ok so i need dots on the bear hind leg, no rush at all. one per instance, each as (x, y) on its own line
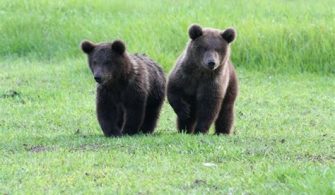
(153, 109)
(224, 122)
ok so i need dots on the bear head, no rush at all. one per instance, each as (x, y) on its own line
(107, 61)
(210, 48)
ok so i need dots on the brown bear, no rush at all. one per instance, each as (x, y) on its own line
(203, 85)
(130, 89)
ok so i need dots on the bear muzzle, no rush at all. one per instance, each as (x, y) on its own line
(98, 79)
(211, 65)
(211, 60)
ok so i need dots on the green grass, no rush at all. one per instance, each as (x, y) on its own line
(284, 141)
(50, 140)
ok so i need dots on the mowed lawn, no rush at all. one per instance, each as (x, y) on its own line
(284, 140)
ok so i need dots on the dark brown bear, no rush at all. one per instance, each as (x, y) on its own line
(130, 89)
(203, 85)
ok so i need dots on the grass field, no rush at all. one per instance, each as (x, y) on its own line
(284, 140)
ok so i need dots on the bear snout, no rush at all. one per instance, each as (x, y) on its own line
(211, 65)
(98, 79)
(210, 60)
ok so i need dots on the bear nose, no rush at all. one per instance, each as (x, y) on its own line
(211, 64)
(97, 79)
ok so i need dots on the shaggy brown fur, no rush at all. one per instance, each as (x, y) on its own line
(130, 90)
(203, 85)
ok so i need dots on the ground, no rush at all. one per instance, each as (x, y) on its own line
(51, 141)
(284, 140)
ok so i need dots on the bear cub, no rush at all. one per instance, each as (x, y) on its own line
(130, 88)
(203, 85)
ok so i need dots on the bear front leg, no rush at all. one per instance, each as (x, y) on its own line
(207, 110)
(186, 125)
(189, 123)
(107, 115)
(180, 106)
(185, 117)
(135, 111)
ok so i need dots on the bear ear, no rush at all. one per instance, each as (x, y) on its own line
(229, 35)
(194, 31)
(87, 46)
(118, 46)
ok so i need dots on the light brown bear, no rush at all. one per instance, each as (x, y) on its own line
(203, 86)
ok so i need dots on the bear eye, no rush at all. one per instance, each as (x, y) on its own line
(223, 50)
(202, 48)
(107, 63)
